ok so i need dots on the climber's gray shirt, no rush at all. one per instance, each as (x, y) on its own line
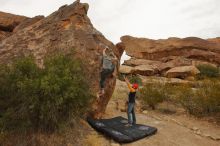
(107, 62)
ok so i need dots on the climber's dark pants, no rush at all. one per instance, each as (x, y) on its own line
(104, 74)
(131, 114)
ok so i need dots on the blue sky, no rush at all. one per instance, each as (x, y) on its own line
(155, 19)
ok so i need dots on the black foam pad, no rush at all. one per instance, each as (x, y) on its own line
(116, 129)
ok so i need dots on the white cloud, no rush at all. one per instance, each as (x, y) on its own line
(156, 18)
(32, 8)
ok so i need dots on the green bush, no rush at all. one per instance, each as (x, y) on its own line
(132, 78)
(42, 98)
(135, 79)
(121, 76)
(152, 94)
(203, 100)
(185, 96)
(208, 71)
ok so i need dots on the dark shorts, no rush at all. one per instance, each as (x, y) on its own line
(104, 74)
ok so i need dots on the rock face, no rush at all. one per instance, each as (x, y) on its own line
(182, 72)
(66, 30)
(126, 69)
(8, 22)
(146, 70)
(163, 80)
(4, 34)
(27, 22)
(163, 55)
(193, 48)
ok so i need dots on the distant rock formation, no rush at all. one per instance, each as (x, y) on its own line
(8, 22)
(68, 29)
(159, 56)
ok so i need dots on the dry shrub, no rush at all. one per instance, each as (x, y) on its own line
(153, 94)
(202, 101)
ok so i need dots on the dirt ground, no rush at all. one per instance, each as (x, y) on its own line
(174, 128)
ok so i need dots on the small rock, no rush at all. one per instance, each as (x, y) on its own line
(145, 112)
(157, 122)
(195, 128)
(215, 138)
(198, 132)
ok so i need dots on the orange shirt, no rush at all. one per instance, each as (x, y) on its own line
(130, 87)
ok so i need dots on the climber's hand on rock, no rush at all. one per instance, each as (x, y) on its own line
(126, 79)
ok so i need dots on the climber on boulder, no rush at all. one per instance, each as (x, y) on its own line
(108, 66)
(131, 102)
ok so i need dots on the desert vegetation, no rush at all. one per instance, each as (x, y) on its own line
(208, 71)
(152, 94)
(42, 98)
(200, 101)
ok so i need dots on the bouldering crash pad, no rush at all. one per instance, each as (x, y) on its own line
(117, 129)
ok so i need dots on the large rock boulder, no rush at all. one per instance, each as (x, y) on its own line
(66, 30)
(140, 69)
(147, 70)
(182, 72)
(191, 47)
(9, 21)
(171, 62)
(162, 57)
(124, 69)
(136, 62)
(159, 67)
(143, 67)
